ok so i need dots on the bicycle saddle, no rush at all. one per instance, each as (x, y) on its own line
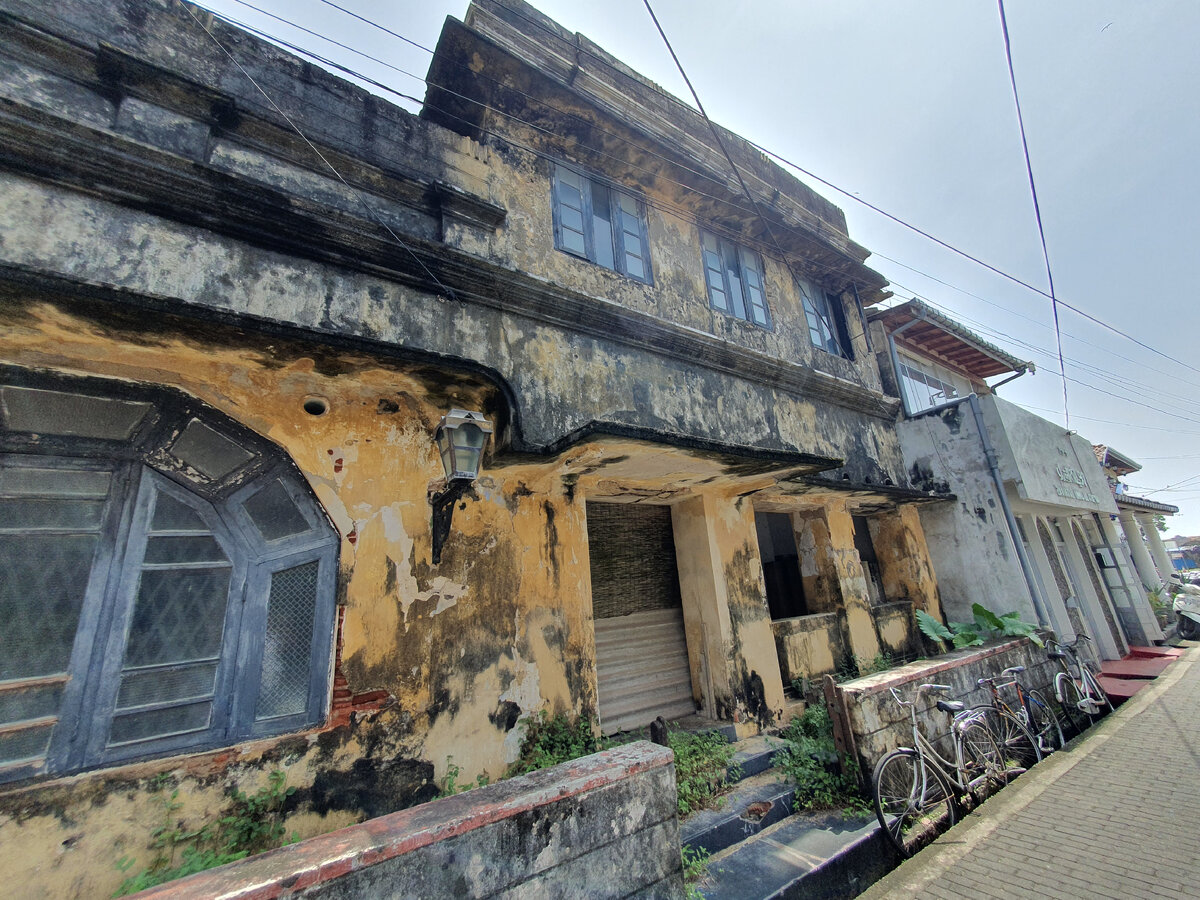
(1055, 654)
(951, 706)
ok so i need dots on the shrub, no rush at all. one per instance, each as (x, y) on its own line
(810, 760)
(702, 767)
(552, 740)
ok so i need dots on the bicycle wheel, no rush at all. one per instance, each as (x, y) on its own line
(1067, 692)
(911, 810)
(1016, 741)
(985, 769)
(1100, 695)
(1044, 723)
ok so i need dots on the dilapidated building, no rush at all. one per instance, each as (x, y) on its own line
(238, 296)
(1032, 528)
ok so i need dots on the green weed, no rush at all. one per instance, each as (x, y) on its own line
(251, 824)
(810, 760)
(702, 768)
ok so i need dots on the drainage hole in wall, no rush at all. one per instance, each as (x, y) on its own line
(316, 406)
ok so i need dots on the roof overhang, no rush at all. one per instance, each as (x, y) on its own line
(1141, 504)
(1119, 463)
(932, 334)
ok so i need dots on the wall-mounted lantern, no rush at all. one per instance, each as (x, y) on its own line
(460, 437)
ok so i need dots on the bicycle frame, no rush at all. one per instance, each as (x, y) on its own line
(1093, 698)
(927, 754)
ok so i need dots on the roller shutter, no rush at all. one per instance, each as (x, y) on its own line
(641, 652)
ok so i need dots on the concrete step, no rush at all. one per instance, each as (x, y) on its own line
(756, 802)
(755, 755)
(817, 856)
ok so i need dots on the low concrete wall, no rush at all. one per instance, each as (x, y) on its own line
(878, 724)
(809, 646)
(601, 826)
(897, 628)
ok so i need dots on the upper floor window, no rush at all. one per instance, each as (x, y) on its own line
(923, 387)
(826, 321)
(601, 223)
(735, 280)
(166, 578)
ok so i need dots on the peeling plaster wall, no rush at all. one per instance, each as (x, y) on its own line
(567, 370)
(498, 630)
(809, 646)
(969, 536)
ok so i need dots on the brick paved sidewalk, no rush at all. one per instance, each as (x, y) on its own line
(1115, 816)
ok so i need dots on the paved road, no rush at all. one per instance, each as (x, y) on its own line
(1116, 816)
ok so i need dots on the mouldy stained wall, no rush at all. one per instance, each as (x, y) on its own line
(639, 345)
(880, 725)
(809, 646)
(969, 543)
(500, 628)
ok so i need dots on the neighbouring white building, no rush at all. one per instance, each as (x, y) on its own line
(1034, 526)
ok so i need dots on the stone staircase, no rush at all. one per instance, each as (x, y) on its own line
(760, 848)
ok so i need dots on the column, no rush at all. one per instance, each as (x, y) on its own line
(1158, 550)
(1137, 549)
(725, 612)
(833, 575)
(1142, 615)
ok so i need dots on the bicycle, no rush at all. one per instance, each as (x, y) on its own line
(1081, 697)
(1028, 732)
(916, 789)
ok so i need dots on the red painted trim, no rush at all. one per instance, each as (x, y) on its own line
(329, 856)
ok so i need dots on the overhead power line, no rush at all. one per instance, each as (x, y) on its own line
(600, 59)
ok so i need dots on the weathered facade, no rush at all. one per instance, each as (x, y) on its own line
(1033, 527)
(238, 295)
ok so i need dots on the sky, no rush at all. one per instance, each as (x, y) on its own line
(907, 104)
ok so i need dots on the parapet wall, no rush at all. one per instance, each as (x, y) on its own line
(601, 826)
(880, 725)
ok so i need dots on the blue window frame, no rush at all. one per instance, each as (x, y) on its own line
(171, 573)
(601, 223)
(826, 321)
(735, 280)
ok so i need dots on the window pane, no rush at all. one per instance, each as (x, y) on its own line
(631, 237)
(208, 451)
(179, 616)
(285, 672)
(172, 515)
(602, 227)
(28, 743)
(713, 272)
(43, 579)
(78, 415)
(197, 548)
(274, 513)
(31, 702)
(141, 726)
(733, 277)
(159, 685)
(753, 281)
(17, 481)
(570, 211)
(52, 513)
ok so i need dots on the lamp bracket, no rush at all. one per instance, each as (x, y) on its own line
(443, 503)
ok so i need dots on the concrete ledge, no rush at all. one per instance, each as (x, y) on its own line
(610, 811)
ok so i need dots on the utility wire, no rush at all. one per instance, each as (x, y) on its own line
(357, 194)
(1126, 399)
(1037, 210)
(1095, 320)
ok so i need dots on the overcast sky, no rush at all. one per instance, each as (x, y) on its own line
(908, 105)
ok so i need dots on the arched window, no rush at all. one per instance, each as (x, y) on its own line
(166, 578)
